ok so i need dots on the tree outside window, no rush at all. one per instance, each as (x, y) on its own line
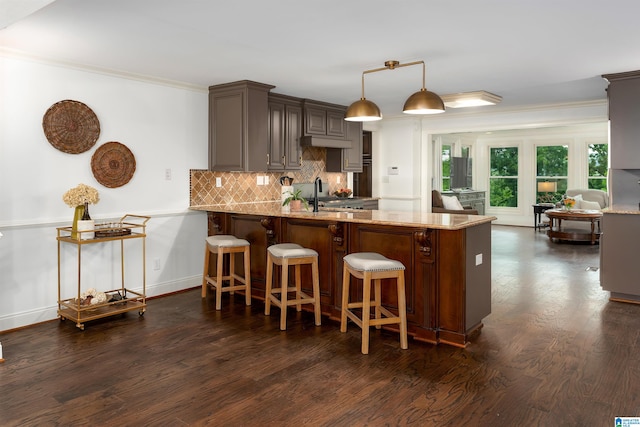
(503, 182)
(552, 164)
(446, 167)
(598, 166)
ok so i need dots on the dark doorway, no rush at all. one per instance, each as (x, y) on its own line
(362, 181)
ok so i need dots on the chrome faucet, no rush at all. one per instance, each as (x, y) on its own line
(317, 186)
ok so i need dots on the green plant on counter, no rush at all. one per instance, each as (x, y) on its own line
(295, 195)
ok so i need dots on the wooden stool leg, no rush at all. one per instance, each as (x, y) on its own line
(378, 300)
(316, 290)
(232, 268)
(206, 271)
(283, 294)
(269, 285)
(298, 267)
(402, 311)
(346, 279)
(247, 275)
(366, 311)
(219, 269)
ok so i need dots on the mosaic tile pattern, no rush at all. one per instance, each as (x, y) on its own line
(239, 187)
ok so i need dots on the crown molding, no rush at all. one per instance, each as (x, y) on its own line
(26, 56)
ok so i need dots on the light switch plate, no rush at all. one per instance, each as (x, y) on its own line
(478, 259)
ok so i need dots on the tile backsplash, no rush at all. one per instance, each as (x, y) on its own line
(242, 187)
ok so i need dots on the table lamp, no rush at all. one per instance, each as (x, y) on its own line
(547, 187)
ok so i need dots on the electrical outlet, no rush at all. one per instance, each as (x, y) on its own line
(167, 174)
(156, 264)
(266, 180)
(260, 180)
(338, 179)
(218, 181)
(478, 259)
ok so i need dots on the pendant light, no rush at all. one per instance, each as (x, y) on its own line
(421, 102)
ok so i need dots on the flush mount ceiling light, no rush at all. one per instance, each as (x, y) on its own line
(421, 102)
(470, 99)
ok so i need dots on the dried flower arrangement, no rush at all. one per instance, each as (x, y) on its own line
(80, 195)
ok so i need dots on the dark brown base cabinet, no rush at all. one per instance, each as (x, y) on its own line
(448, 290)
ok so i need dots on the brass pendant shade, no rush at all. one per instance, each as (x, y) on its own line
(422, 102)
(363, 111)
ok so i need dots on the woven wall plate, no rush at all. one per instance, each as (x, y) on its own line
(71, 126)
(113, 164)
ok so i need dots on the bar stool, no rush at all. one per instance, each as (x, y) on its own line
(285, 255)
(220, 245)
(370, 266)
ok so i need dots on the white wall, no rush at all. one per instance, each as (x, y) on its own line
(397, 144)
(165, 126)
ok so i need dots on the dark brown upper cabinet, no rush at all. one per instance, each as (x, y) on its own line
(285, 131)
(324, 119)
(624, 119)
(239, 126)
(347, 159)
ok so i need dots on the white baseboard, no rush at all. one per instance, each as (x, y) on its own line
(31, 317)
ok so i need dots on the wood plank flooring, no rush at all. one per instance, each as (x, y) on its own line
(554, 351)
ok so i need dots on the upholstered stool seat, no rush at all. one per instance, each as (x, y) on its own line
(285, 255)
(220, 245)
(370, 266)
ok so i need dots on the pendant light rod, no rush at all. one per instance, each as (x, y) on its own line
(392, 65)
(422, 102)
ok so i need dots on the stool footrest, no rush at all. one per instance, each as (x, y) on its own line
(304, 299)
(212, 280)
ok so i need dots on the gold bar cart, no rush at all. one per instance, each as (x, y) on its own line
(120, 300)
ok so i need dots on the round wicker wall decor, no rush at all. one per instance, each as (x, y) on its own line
(71, 126)
(113, 164)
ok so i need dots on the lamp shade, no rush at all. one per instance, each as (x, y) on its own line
(363, 111)
(423, 102)
(547, 187)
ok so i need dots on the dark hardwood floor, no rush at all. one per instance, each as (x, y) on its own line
(554, 351)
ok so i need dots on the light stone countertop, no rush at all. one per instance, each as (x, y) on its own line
(382, 217)
(622, 209)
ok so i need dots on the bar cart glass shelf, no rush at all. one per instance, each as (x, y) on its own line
(119, 300)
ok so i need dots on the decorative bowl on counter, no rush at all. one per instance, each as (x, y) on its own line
(343, 192)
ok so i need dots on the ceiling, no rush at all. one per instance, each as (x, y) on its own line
(530, 52)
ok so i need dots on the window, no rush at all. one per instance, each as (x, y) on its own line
(552, 164)
(503, 182)
(598, 163)
(446, 167)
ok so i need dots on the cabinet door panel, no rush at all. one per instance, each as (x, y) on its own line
(314, 235)
(276, 136)
(227, 131)
(394, 243)
(315, 121)
(336, 125)
(293, 151)
(250, 227)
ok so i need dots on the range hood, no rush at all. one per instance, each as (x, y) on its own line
(324, 141)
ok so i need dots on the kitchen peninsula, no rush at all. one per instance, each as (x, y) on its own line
(447, 258)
